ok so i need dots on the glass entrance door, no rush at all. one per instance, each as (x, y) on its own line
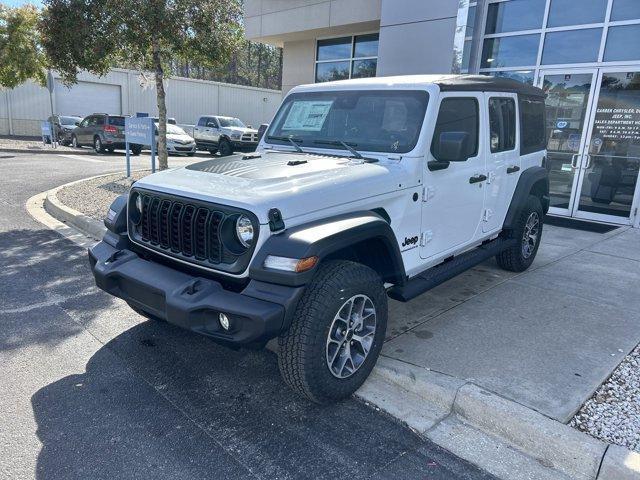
(593, 131)
(569, 98)
(608, 177)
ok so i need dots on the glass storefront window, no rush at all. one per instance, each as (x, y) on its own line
(366, 46)
(471, 20)
(347, 57)
(329, 71)
(625, 10)
(516, 51)
(364, 68)
(514, 16)
(623, 43)
(572, 46)
(334, 48)
(572, 12)
(524, 76)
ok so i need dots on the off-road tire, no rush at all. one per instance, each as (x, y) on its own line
(97, 145)
(302, 355)
(513, 258)
(225, 148)
(135, 150)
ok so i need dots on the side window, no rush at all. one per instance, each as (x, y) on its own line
(532, 125)
(212, 123)
(502, 124)
(202, 122)
(458, 118)
(99, 121)
(90, 121)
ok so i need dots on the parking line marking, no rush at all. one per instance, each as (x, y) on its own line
(83, 158)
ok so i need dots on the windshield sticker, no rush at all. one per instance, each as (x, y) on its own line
(307, 116)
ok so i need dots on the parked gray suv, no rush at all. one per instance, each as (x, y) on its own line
(102, 131)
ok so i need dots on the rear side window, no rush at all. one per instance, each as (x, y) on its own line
(532, 125)
(458, 115)
(117, 121)
(502, 124)
(98, 121)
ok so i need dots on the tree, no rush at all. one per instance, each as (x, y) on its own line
(94, 35)
(21, 57)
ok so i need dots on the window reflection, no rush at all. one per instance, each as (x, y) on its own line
(623, 43)
(572, 12)
(521, 50)
(334, 48)
(572, 46)
(329, 71)
(625, 10)
(514, 16)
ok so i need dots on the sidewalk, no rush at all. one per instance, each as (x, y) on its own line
(546, 338)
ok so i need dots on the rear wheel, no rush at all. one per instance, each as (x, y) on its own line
(336, 334)
(527, 234)
(226, 148)
(97, 145)
(136, 149)
(213, 151)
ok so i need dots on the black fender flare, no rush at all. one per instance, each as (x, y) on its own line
(325, 237)
(531, 178)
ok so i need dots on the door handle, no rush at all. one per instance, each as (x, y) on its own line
(574, 161)
(588, 165)
(513, 169)
(477, 179)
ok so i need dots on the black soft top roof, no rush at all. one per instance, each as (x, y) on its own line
(484, 83)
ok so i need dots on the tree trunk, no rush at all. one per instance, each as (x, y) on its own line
(163, 160)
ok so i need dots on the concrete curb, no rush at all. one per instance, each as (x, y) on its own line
(426, 400)
(548, 443)
(87, 225)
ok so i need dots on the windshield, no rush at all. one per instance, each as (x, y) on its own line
(230, 122)
(367, 120)
(172, 130)
(69, 120)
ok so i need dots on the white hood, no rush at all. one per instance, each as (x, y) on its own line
(294, 183)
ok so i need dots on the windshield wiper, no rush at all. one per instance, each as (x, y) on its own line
(353, 151)
(293, 142)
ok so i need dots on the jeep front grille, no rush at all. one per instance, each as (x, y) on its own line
(187, 230)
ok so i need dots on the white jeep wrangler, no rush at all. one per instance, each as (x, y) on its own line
(360, 190)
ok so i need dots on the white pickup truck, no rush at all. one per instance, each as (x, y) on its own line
(223, 134)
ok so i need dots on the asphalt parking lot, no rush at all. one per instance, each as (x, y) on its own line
(92, 390)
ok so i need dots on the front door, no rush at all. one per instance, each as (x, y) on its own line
(593, 131)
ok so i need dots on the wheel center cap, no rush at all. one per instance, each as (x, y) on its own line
(349, 335)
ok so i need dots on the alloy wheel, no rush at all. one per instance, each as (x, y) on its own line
(530, 235)
(351, 336)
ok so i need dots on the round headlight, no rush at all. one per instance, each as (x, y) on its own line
(244, 230)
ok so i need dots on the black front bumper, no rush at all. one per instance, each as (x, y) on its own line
(258, 313)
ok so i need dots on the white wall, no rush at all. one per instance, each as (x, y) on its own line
(24, 107)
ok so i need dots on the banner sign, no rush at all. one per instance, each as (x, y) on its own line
(45, 127)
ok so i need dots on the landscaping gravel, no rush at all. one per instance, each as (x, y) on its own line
(28, 144)
(93, 197)
(613, 413)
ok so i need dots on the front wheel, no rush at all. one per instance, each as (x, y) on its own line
(135, 150)
(74, 142)
(336, 334)
(527, 233)
(226, 148)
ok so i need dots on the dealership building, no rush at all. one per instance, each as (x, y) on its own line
(584, 53)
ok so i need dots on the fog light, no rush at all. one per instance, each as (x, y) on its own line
(224, 321)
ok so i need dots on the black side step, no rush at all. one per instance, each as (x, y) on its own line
(447, 270)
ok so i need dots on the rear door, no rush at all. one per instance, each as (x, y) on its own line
(502, 157)
(454, 191)
(82, 132)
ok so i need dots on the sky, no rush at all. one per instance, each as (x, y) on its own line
(18, 3)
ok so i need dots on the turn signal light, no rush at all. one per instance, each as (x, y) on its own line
(286, 264)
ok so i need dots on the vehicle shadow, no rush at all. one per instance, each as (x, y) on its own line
(41, 270)
(160, 402)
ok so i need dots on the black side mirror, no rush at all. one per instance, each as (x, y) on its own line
(77, 124)
(452, 147)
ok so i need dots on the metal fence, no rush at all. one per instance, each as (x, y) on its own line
(126, 92)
